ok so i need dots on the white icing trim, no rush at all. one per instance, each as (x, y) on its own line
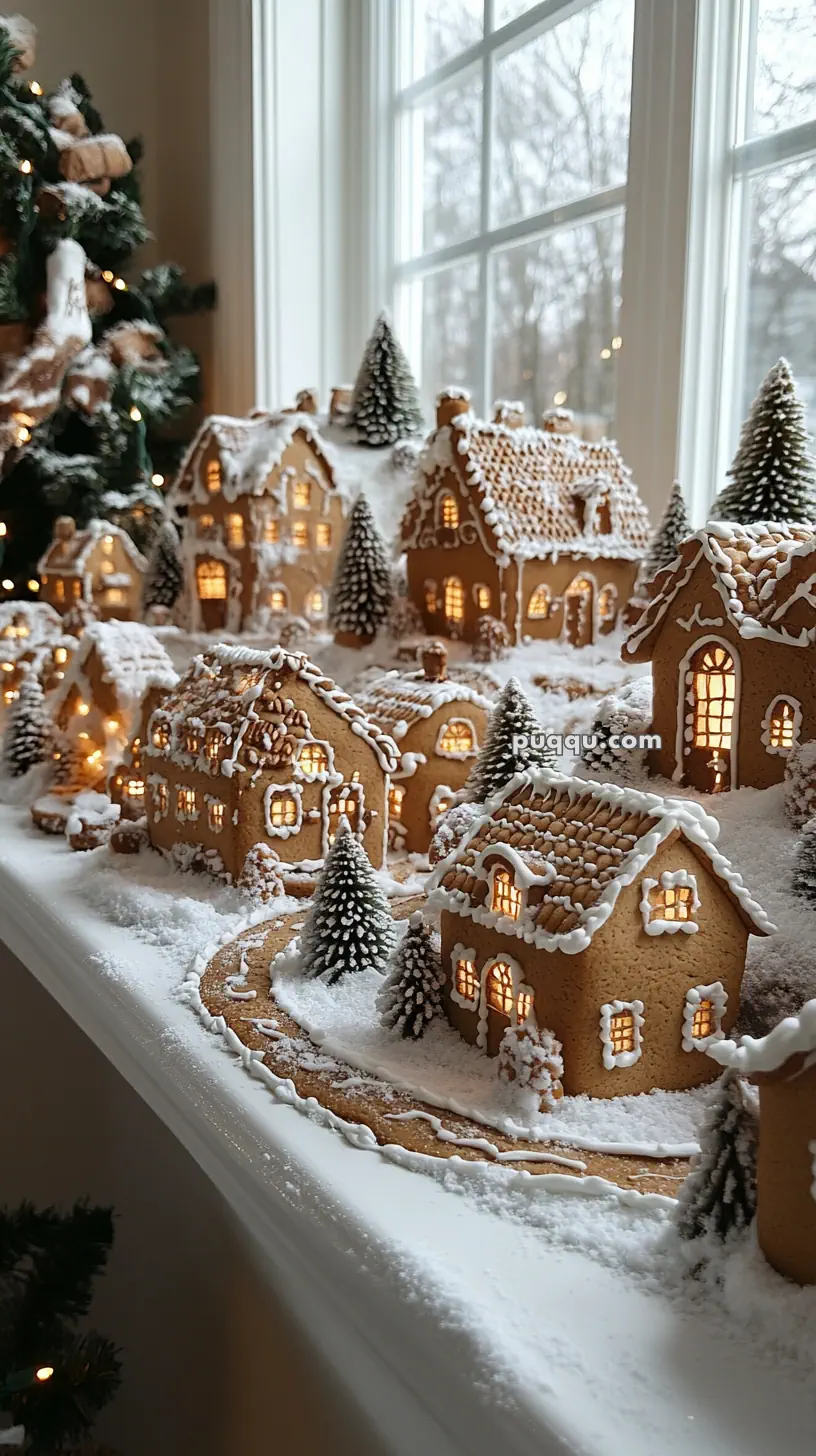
(485, 1008)
(685, 700)
(282, 831)
(442, 794)
(462, 952)
(695, 620)
(446, 753)
(613, 1059)
(717, 995)
(765, 738)
(669, 880)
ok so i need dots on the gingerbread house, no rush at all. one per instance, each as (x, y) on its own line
(439, 724)
(730, 630)
(28, 631)
(783, 1065)
(262, 748)
(99, 564)
(540, 530)
(606, 916)
(262, 503)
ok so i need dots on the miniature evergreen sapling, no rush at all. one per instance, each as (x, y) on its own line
(629, 711)
(718, 1197)
(385, 403)
(27, 739)
(672, 531)
(362, 590)
(165, 577)
(804, 872)
(772, 474)
(512, 718)
(349, 927)
(409, 997)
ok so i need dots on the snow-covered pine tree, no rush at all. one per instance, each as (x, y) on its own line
(27, 739)
(674, 527)
(165, 577)
(385, 403)
(499, 761)
(629, 710)
(409, 997)
(719, 1195)
(349, 927)
(492, 640)
(804, 870)
(362, 590)
(772, 474)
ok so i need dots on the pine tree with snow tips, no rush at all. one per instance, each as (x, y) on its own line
(362, 590)
(27, 739)
(349, 927)
(385, 403)
(672, 531)
(718, 1197)
(804, 873)
(165, 577)
(772, 474)
(410, 997)
(499, 761)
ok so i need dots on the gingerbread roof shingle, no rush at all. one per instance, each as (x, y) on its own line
(68, 556)
(396, 701)
(249, 450)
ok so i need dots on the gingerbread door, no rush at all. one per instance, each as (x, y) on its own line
(709, 704)
(212, 585)
(579, 614)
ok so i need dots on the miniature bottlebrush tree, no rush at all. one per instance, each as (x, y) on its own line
(27, 739)
(772, 474)
(627, 711)
(718, 1197)
(165, 576)
(514, 743)
(804, 870)
(362, 589)
(385, 403)
(410, 997)
(674, 527)
(349, 927)
(492, 640)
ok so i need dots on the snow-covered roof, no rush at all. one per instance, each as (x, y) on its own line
(25, 626)
(794, 1036)
(396, 701)
(249, 449)
(578, 844)
(539, 493)
(130, 657)
(765, 575)
(68, 556)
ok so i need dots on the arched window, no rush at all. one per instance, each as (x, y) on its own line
(457, 739)
(313, 758)
(499, 988)
(302, 495)
(607, 604)
(454, 599)
(715, 691)
(315, 602)
(277, 599)
(506, 895)
(449, 512)
(235, 530)
(482, 597)
(466, 980)
(211, 579)
(540, 603)
(396, 794)
(780, 728)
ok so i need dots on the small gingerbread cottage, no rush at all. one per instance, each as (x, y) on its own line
(262, 503)
(605, 915)
(99, 564)
(730, 629)
(28, 630)
(783, 1066)
(538, 529)
(439, 724)
(262, 748)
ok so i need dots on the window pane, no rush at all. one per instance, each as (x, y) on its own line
(781, 299)
(506, 10)
(443, 156)
(561, 128)
(785, 68)
(434, 31)
(556, 305)
(438, 319)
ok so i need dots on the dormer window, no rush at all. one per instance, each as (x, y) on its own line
(457, 739)
(313, 758)
(506, 896)
(160, 734)
(670, 903)
(449, 512)
(302, 495)
(213, 476)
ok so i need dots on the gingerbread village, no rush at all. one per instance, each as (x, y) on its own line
(518, 947)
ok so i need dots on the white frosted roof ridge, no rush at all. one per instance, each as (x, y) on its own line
(794, 1035)
(253, 446)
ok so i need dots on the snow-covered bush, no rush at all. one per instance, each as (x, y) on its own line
(627, 710)
(260, 876)
(531, 1064)
(492, 640)
(452, 828)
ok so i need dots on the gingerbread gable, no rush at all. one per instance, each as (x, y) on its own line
(70, 556)
(398, 701)
(126, 658)
(249, 451)
(27, 626)
(792, 1040)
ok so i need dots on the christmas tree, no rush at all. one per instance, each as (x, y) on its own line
(165, 577)
(385, 403)
(673, 529)
(89, 389)
(53, 1379)
(362, 589)
(719, 1194)
(772, 474)
(512, 718)
(804, 871)
(349, 927)
(409, 998)
(27, 739)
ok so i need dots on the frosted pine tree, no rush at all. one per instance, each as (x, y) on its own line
(673, 529)
(27, 739)
(629, 710)
(349, 927)
(165, 577)
(800, 783)
(362, 589)
(772, 474)
(804, 871)
(409, 997)
(499, 760)
(385, 403)
(719, 1195)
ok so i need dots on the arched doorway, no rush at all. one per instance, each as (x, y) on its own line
(709, 710)
(211, 585)
(579, 617)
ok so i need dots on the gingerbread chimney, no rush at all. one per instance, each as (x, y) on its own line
(306, 402)
(449, 404)
(64, 528)
(435, 661)
(509, 412)
(559, 421)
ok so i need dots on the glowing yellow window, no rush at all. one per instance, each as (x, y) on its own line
(430, 596)
(302, 495)
(457, 737)
(467, 981)
(622, 1032)
(211, 580)
(782, 725)
(323, 534)
(300, 534)
(107, 568)
(59, 589)
(499, 987)
(276, 600)
(454, 599)
(396, 794)
(186, 803)
(161, 735)
(483, 598)
(134, 788)
(607, 603)
(107, 545)
(703, 1022)
(60, 655)
(449, 513)
(215, 814)
(213, 476)
(76, 588)
(115, 596)
(506, 895)
(524, 1005)
(672, 902)
(714, 691)
(192, 741)
(206, 522)
(342, 802)
(213, 745)
(271, 531)
(235, 530)
(313, 758)
(540, 603)
(316, 602)
(282, 811)
(160, 797)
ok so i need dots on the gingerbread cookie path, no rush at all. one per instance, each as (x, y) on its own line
(426, 1129)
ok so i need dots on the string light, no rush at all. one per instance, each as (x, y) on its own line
(25, 166)
(44, 1373)
(606, 353)
(7, 585)
(112, 725)
(33, 585)
(83, 710)
(156, 479)
(617, 342)
(3, 528)
(23, 435)
(95, 756)
(135, 412)
(35, 88)
(120, 284)
(560, 397)
(108, 275)
(7, 666)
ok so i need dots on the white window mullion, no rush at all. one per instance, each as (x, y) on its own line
(483, 385)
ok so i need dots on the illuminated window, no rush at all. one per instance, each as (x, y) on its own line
(430, 597)
(607, 603)
(300, 534)
(672, 902)
(703, 1021)
(343, 800)
(107, 545)
(186, 804)
(323, 534)
(313, 758)
(134, 788)
(782, 726)
(316, 602)
(396, 794)
(60, 655)
(215, 814)
(540, 603)
(161, 735)
(160, 798)
(454, 599)
(506, 895)
(114, 596)
(457, 738)
(622, 1037)
(276, 600)
(235, 529)
(107, 568)
(271, 530)
(483, 598)
(449, 513)
(524, 1005)
(192, 741)
(283, 811)
(206, 522)
(715, 691)
(302, 495)
(467, 981)
(59, 589)
(499, 988)
(213, 476)
(211, 580)
(76, 588)
(213, 744)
